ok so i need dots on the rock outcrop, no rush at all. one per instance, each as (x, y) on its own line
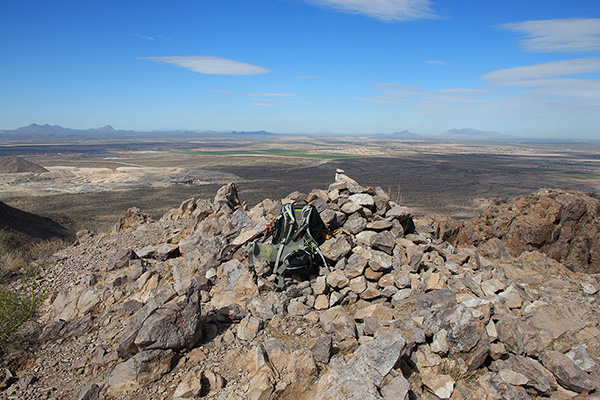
(560, 223)
(398, 312)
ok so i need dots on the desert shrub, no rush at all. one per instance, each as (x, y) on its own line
(20, 302)
(17, 306)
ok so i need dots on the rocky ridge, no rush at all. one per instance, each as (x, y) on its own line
(564, 224)
(14, 165)
(147, 312)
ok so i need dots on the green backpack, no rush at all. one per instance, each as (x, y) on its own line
(297, 233)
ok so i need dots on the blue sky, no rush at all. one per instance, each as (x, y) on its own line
(524, 68)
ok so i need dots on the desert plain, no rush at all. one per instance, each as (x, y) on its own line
(90, 183)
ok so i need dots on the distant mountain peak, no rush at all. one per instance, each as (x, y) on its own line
(406, 134)
(107, 128)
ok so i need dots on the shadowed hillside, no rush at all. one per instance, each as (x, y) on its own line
(26, 227)
(13, 165)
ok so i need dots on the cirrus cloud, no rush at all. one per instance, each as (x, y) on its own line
(546, 70)
(384, 10)
(210, 65)
(559, 35)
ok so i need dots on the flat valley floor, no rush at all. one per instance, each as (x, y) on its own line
(90, 185)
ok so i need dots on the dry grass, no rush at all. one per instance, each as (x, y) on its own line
(21, 299)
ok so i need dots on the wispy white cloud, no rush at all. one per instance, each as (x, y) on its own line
(153, 38)
(384, 10)
(437, 62)
(552, 79)
(414, 94)
(221, 91)
(546, 70)
(279, 101)
(559, 35)
(582, 89)
(293, 102)
(274, 95)
(210, 65)
(262, 104)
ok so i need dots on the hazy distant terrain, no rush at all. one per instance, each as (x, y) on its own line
(95, 179)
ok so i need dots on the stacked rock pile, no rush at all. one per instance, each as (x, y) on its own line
(396, 314)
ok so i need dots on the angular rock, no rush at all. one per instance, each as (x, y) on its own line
(381, 225)
(581, 357)
(336, 248)
(569, 375)
(361, 376)
(321, 302)
(319, 286)
(358, 284)
(321, 349)
(362, 199)
(458, 321)
(492, 386)
(143, 368)
(518, 336)
(171, 328)
(355, 224)
(234, 285)
(384, 241)
(355, 266)
(121, 259)
(228, 194)
(90, 391)
(133, 218)
(337, 279)
(339, 323)
(190, 385)
(441, 385)
(396, 389)
(538, 377)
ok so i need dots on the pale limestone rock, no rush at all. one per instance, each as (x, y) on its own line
(321, 302)
(440, 342)
(319, 286)
(512, 377)
(581, 357)
(362, 199)
(441, 385)
(358, 284)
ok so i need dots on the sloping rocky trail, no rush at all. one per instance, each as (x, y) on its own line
(147, 312)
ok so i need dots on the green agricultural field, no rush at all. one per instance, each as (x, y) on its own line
(277, 153)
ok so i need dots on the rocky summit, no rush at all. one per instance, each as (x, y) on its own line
(149, 312)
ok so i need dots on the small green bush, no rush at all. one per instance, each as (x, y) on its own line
(17, 306)
(21, 303)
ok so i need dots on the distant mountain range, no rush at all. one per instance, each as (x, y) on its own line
(463, 135)
(57, 132)
(406, 134)
(468, 134)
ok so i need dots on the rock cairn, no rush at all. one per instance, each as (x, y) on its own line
(149, 312)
